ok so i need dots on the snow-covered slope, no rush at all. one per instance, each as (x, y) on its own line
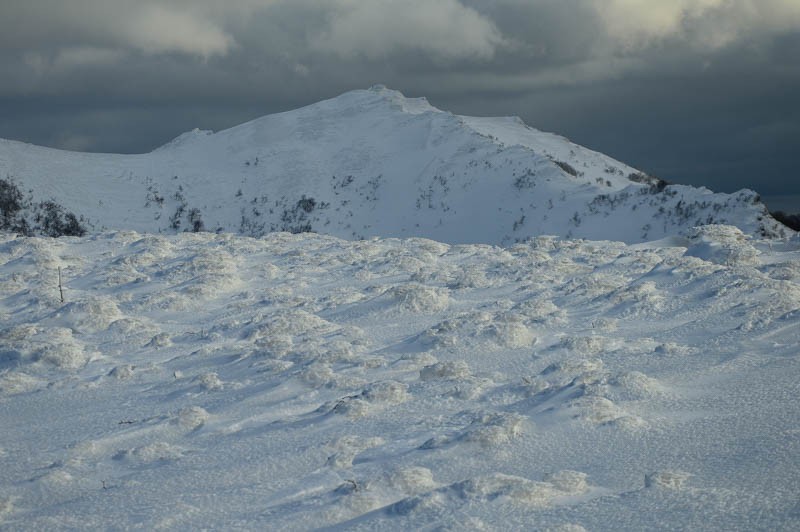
(374, 163)
(293, 382)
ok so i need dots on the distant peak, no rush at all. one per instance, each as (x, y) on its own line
(406, 104)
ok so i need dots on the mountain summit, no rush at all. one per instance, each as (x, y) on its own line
(371, 163)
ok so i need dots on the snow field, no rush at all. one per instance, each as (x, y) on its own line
(302, 381)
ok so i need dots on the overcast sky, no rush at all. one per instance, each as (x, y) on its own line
(701, 92)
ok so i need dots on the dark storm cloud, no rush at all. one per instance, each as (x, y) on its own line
(698, 91)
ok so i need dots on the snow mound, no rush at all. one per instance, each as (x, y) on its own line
(301, 381)
(91, 315)
(14, 382)
(122, 372)
(346, 448)
(491, 330)
(151, 453)
(423, 299)
(191, 418)
(670, 479)
(372, 399)
(412, 480)
(722, 244)
(489, 489)
(636, 385)
(55, 346)
(488, 429)
(451, 369)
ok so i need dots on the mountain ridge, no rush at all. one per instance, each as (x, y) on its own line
(375, 163)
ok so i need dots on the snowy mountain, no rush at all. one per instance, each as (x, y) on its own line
(296, 382)
(306, 381)
(367, 163)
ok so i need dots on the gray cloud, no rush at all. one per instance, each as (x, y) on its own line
(147, 27)
(446, 29)
(700, 91)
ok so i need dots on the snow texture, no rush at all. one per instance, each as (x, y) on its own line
(296, 382)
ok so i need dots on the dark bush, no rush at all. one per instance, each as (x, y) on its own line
(656, 183)
(568, 168)
(19, 214)
(54, 221)
(792, 221)
(196, 221)
(12, 203)
(307, 204)
(10, 199)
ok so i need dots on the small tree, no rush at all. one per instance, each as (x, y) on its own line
(196, 221)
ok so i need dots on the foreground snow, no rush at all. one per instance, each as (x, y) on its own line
(301, 381)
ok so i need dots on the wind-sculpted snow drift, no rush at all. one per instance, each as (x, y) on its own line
(300, 381)
(374, 163)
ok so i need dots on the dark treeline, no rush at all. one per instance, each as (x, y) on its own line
(20, 214)
(791, 221)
